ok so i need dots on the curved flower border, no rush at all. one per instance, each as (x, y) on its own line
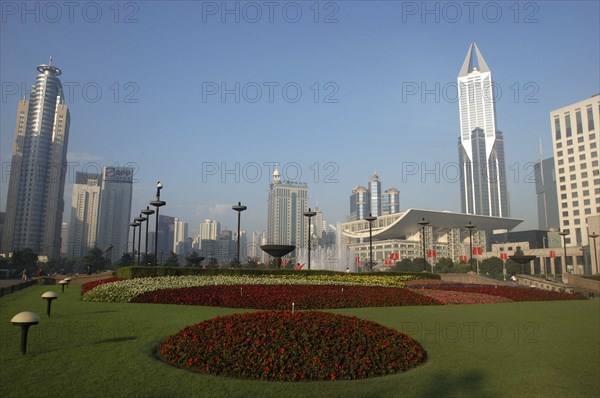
(287, 346)
(124, 291)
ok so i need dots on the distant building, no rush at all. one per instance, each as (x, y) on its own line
(209, 229)
(35, 200)
(85, 210)
(375, 196)
(286, 223)
(576, 138)
(391, 201)
(166, 228)
(547, 199)
(115, 210)
(359, 203)
(480, 144)
(180, 235)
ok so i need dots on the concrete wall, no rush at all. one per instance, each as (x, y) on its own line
(472, 278)
(582, 283)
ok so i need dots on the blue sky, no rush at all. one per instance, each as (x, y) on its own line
(145, 85)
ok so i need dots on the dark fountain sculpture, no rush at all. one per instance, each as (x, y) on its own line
(520, 258)
(278, 251)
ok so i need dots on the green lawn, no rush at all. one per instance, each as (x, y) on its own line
(90, 349)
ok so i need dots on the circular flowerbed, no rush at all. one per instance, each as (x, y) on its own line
(271, 297)
(286, 346)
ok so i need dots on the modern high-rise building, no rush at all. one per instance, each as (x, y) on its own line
(210, 229)
(180, 235)
(35, 201)
(375, 195)
(391, 201)
(85, 208)
(481, 146)
(286, 223)
(359, 203)
(575, 140)
(545, 189)
(166, 228)
(115, 210)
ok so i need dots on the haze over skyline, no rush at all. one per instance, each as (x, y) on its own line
(368, 87)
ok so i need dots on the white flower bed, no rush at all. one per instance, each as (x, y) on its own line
(125, 291)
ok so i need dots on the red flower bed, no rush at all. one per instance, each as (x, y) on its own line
(286, 346)
(282, 296)
(510, 292)
(86, 287)
(455, 297)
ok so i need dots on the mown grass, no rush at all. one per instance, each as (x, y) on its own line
(528, 349)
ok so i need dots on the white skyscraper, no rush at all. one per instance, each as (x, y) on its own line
(180, 234)
(576, 140)
(481, 146)
(85, 207)
(34, 202)
(115, 209)
(286, 224)
(210, 229)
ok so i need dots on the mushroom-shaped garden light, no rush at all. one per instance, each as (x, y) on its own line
(62, 284)
(25, 319)
(49, 296)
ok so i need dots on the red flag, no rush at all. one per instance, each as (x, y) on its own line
(503, 256)
(477, 251)
(552, 254)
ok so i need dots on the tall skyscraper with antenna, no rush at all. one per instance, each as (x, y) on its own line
(480, 145)
(35, 201)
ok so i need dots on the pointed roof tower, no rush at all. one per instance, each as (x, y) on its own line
(473, 60)
(276, 176)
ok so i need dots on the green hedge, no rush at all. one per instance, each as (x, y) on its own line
(143, 272)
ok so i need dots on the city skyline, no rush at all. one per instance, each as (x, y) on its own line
(156, 112)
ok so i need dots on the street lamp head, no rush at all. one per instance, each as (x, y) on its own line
(239, 207)
(371, 218)
(147, 211)
(563, 233)
(310, 213)
(593, 235)
(134, 224)
(469, 226)
(423, 222)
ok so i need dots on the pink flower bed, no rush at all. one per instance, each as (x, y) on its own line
(282, 296)
(286, 346)
(455, 297)
(513, 293)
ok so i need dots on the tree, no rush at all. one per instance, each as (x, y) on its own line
(24, 258)
(193, 259)
(445, 265)
(125, 260)
(492, 265)
(420, 264)
(94, 260)
(172, 260)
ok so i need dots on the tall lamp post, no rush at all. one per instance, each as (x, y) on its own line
(370, 219)
(309, 214)
(239, 208)
(133, 224)
(564, 235)
(470, 227)
(423, 223)
(594, 236)
(157, 203)
(140, 219)
(148, 212)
